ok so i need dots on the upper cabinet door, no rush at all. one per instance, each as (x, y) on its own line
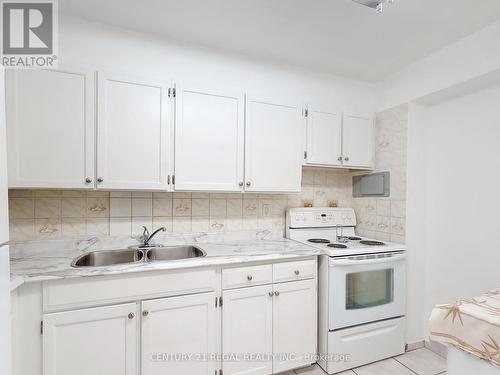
(324, 136)
(132, 133)
(273, 146)
(209, 139)
(50, 128)
(358, 141)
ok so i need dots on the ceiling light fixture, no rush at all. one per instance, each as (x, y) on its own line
(378, 5)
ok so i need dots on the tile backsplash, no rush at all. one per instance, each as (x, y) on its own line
(51, 214)
(385, 218)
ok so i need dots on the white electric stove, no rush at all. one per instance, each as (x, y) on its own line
(362, 288)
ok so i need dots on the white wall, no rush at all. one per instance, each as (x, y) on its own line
(102, 47)
(415, 222)
(470, 58)
(453, 201)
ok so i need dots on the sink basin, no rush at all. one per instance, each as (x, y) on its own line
(107, 258)
(133, 255)
(174, 253)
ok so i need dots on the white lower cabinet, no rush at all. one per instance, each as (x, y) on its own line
(167, 334)
(175, 331)
(102, 340)
(259, 330)
(247, 317)
(294, 324)
(270, 328)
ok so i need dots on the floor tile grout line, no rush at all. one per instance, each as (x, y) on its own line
(402, 364)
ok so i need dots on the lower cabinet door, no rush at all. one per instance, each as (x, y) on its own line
(101, 340)
(178, 333)
(294, 324)
(247, 315)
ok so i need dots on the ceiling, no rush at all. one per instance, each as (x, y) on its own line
(334, 36)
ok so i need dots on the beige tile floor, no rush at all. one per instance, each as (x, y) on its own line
(417, 362)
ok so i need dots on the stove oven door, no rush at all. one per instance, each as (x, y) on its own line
(366, 288)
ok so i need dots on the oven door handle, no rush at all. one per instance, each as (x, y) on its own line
(348, 262)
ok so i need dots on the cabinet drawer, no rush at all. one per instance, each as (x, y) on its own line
(291, 271)
(247, 276)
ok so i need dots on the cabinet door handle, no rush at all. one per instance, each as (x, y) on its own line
(270, 294)
(339, 158)
(131, 315)
(145, 313)
(276, 293)
(346, 158)
(249, 183)
(88, 180)
(249, 277)
(240, 184)
(297, 272)
(100, 179)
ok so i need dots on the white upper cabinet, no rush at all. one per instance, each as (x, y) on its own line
(358, 140)
(50, 128)
(133, 133)
(209, 139)
(102, 340)
(324, 136)
(273, 145)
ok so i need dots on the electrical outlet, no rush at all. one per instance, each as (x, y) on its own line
(266, 210)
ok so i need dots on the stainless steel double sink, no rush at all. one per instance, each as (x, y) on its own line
(137, 255)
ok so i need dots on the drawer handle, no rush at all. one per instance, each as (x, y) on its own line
(249, 277)
(131, 316)
(297, 272)
(276, 293)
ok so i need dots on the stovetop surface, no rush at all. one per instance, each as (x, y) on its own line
(351, 244)
(338, 248)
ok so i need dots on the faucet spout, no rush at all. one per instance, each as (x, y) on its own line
(148, 237)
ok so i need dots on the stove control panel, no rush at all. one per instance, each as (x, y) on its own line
(315, 217)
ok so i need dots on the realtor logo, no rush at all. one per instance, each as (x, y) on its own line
(29, 34)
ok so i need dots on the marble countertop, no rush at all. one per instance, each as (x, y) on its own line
(33, 261)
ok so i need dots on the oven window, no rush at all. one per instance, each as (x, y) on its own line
(369, 289)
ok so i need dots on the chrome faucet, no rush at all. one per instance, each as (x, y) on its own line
(340, 238)
(146, 237)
